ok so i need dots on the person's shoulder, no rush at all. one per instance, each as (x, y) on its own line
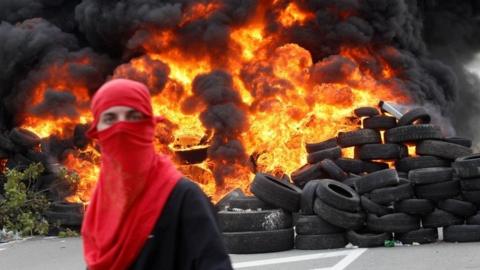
(187, 185)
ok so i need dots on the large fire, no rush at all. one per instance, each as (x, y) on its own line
(303, 105)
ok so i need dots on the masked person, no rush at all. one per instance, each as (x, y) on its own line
(143, 213)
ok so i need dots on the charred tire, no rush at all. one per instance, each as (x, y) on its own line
(420, 162)
(439, 218)
(368, 239)
(438, 191)
(461, 233)
(421, 236)
(379, 179)
(414, 206)
(457, 207)
(380, 151)
(343, 219)
(67, 207)
(339, 195)
(459, 141)
(314, 147)
(418, 115)
(471, 184)
(313, 225)
(430, 175)
(63, 218)
(412, 133)
(474, 220)
(358, 137)
(371, 167)
(366, 112)
(350, 181)
(224, 203)
(442, 149)
(322, 241)
(308, 197)
(381, 122)
(6, 144)
(306, 173)
(472, 196)
(24, 137)
(259, 242)
(374, 208)
(391, 194)
(350, 165)
(331, 153)
(468, 166)
(276, 193)
(249, 203)
(396, 222)
(245, 221)
(333, 170)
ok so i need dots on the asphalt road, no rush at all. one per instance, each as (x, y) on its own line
(61, 254)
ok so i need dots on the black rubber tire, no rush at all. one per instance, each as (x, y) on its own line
(340, 218)
(67, 207)
(245, 221)
(330, 153)
(64, 219)
(457, 207)
(350, 181)
(420, 162)
(381, 151)
(306, 173)
(414, 206)
(388, 195)
(308, 197)
(313, 225)
(314, 147)
(467, 166)
(318, 242)
(371, 167)
(421, 236)
(396, 222)
(224, 203)
(277, 193)
(460, 141)
(442, 149)
(374, 208)
(249, 203)
(366, 112)
(379, 179)
(338, 195)
(258, 242)
(24, 137)
(430, 175)
(368, 239)
(358, 137)
(417, 115)
(472, 196)
(470, 184)
(350, 165)
(439, 218)
(412, 133)
(438, 191)
(474, 220)
(333, 170)
(461, 233)
(4, 154)
(6, 144)
(381, 122)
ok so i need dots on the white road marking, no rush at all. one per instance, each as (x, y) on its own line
(351, 255)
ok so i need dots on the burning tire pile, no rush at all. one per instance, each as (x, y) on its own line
(364, 200)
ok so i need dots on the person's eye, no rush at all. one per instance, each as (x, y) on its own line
(135, 116)
(108, 119)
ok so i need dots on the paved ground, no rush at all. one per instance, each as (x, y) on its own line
(61, 254)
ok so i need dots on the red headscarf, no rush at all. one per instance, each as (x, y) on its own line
(134, 182)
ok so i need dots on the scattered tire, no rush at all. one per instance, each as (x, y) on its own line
(474, 220)
(24, 137)
(420, 162)
(381, 122)
(392, 194)
(275, 192)
(67, 207)
(350, 165)
(412, 133)
(313, 225)
(358, 137)
(314, 147)
(440, 218)
(366, 112)
(430, 175)
(442, 149)
(470, 184)
(417, 115)
(374, 208)
(472, 196)
(64, 219)
(421, 236)
(438, 191)
(258, 242)
(350, 181)
(460, 141)
(224, 203)
(331, 153)
(467, 166)
(379, 179)
(6, 144)
(340, 218)
(461, 233)
(249, 203)
(380, 151)
(308, 197)
(323, 241)
(368, 239)
(371, 167)
(339, 195)
(396, 222)
(306, 173)
(244, 221)
(414, 206)
(333, 170)
(458, 207)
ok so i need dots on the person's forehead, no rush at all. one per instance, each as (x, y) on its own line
(118, 109)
